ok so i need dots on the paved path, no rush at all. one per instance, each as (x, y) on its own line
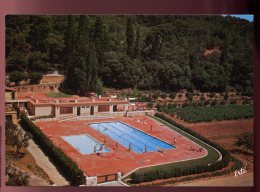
(243, 180)
(112, 183)
(43, 161)
(37, 181)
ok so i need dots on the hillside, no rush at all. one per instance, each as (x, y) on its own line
(168, 53)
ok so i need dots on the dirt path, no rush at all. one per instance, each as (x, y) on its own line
(36, 181)
(243, 180)
(43, 162)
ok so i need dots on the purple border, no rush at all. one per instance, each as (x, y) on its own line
(127, 7)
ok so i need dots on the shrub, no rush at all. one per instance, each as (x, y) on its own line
(226, 96)
(206, 102)
(172, 95)
(64, 164)
(180, 95)
(222, 103)
(35, 78)
(150, 105)
(213, 94)
(163, 95)
(156, 95)
(214, 103)
(185, 105)
(233, 102)
(17, 76)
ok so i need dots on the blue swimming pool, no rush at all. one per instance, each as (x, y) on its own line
(129, 136)
(85, 144)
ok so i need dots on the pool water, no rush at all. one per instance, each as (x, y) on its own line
(85, 144)
(129, 136)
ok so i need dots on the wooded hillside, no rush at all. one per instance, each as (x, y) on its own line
(169, 53)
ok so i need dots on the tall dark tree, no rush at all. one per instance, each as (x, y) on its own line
(77, 66)
(101, 40)
(92, 69)
(137, 47)
(130, 37)
(17, 47)
(69, 41)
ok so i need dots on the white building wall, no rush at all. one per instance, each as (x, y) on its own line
(41, 111)
(111, 108)
(95, 109)
(74, 110)
(57, 112)
(85, 110)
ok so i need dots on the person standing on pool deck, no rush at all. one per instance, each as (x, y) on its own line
(151, 128)
(174, 140)
(116, 145)
(129, 146)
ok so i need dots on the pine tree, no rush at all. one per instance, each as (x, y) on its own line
(137, 48)
(69, 38)
(101, 40)
(130, 37)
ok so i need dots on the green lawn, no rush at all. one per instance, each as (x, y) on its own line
(57, 95)
(211, 157)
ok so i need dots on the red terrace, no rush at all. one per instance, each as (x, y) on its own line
(40, 104)
(119, 159)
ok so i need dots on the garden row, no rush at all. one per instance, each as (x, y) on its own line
(64, 164)
(205, 114)
(155, 174)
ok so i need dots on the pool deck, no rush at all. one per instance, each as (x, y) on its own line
(120, 159)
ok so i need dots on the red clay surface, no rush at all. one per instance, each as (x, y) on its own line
(119, 159)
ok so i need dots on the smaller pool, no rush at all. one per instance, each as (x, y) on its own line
(85, 144)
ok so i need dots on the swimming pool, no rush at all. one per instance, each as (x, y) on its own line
(129, 136)
(85, 144)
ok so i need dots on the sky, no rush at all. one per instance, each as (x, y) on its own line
(247, 17)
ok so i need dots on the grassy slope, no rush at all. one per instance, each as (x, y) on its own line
(57, 95)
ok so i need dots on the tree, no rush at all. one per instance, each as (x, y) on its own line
(98, 87)
(69, 42)
(17, 76)
(16, 177)
(101, 40)
(137, 47)
(17, 47)
(245, 140)
(79, 75)
(130, 37)
(163, 96)
(173, 95)
(15, 136)
(35, 78)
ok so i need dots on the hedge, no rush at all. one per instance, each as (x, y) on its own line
(237, 166)
(139, 177)
(64, 164)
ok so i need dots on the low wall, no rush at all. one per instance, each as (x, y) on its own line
(137, 113)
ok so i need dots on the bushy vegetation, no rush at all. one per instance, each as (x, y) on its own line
(64, 164)
(57, 94)
(205, 114)
(237, 166)
(193, 168)
(208, 53)
(245, 140)
(16, 137)
(16, 177)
